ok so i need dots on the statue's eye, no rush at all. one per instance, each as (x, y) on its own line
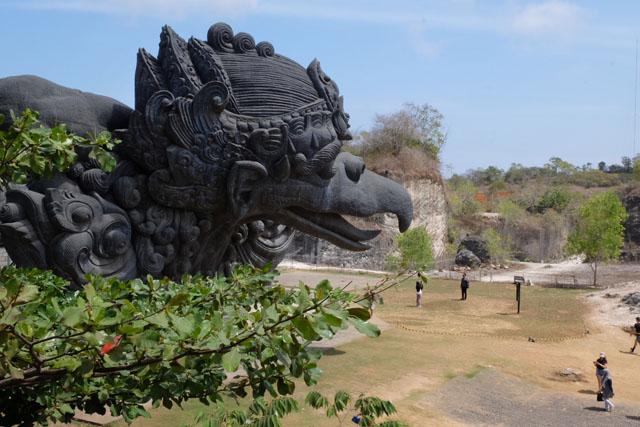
(296, 126)
(184, 160)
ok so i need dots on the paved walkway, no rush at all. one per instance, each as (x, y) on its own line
(492, 398)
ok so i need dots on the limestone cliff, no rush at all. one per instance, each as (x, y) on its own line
(429, 210)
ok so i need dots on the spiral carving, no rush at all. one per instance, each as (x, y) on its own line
(157, 109)
(125, 191)
(95, 180)
(265, 49)
(114, 239)
(11, 212)
(243, 42)
(220, 37)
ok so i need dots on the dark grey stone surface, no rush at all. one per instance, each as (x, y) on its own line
(477, 245)
(230, 150)
(83, 113)
(467, 258)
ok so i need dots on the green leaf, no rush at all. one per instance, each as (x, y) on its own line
(178, 299)
(159, 319)
(322, 289)
(369, 329)
(316, 400)
(331, 319)
(16, 372)
(341, 400)
(183, 325)
(89, 291)
(285, 386)
(360, 313)
(72, 316)
(231, 360)
(27, 293)
(303, 325)
(69, 363)
(270, 313)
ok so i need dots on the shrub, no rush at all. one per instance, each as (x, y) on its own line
(498, 245)
(416, 251)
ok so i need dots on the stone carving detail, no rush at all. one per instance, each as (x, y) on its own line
(231, 148)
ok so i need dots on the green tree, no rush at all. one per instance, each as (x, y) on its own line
(498, 245)
(557, 198)
(462, 196)
(486, 176)
(560, 167)
(416, 251)
(599, 232)
(430, 124)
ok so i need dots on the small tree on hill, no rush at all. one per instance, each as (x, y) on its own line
(599, 233)
(416, 251)
(415, 126)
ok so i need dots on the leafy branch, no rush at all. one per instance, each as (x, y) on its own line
(121, 344)
(29, 149)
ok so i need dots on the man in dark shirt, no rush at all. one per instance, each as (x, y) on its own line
(637, 334)
(419, 288)
(464, 285)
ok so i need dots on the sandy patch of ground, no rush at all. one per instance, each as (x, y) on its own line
(338, 279)
(608, 308)
(296, 265)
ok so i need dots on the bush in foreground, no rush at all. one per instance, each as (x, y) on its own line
(120, 344)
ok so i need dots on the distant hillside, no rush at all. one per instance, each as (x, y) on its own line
(533, 209)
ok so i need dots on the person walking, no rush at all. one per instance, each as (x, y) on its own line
(464, 285)
(601, 365)
(636, 340)
(607, 391)
(419, 288)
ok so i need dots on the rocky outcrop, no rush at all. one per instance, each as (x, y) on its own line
(467, 258)
(429, 211)
(477, 246)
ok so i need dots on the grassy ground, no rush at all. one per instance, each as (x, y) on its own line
(449, 338)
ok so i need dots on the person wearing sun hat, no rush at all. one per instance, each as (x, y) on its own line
(601, 365)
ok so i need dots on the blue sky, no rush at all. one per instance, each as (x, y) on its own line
(517, 80)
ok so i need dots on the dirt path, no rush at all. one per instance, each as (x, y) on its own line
(568, 272)
(494, 399)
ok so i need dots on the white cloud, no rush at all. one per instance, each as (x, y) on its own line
(550, 19)
(163, 8)
(548, 22)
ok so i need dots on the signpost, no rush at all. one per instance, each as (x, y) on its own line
(518, 281)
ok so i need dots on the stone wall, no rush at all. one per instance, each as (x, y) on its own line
(429, 210)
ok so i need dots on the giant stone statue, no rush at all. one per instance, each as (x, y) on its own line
(231, 148)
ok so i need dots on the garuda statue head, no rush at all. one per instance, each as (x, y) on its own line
(230, 149)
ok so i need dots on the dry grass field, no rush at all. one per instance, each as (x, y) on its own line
(429, 358)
